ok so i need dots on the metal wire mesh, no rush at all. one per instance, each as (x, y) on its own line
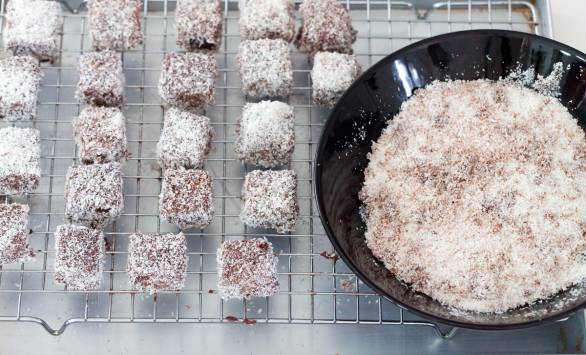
(314, 288)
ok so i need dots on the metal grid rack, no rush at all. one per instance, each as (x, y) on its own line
(314, 288)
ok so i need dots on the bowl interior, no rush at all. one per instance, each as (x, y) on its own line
(359, 117)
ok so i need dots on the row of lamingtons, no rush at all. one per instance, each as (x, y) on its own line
(93, 189)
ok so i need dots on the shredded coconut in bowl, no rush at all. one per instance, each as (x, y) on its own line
(475, 194)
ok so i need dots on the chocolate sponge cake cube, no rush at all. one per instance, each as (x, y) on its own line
(101, 79)
(270, 200)
(93, 194)
(79, 257)
(188, 79)
(20, 155)
(14, 233)
(186, 198)
(198, 24)
(265, 134)
(157, 262)
(33, 27)
(246, 269)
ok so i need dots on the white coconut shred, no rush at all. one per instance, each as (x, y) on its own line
(475, 194)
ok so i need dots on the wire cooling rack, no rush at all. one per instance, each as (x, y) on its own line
(315, 288)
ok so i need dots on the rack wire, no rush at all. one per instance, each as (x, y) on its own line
(315, 287)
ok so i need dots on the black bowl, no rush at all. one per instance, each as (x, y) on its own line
(359, 118)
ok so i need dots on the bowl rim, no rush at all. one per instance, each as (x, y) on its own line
(317, 171)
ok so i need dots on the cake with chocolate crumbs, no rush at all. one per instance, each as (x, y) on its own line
(267, 19)
(115, 24)
(188, 79)
(157, 262)
(20, 81)
(186, 198)
(14, 233)
(79, 257)
(186, 139)
(198, 24)
(247, 268)
(331, 75)
(265, 135)
(265, 68)
(93, 194)
(101, 79)
(20, 155)
(270, 200)
(33, 27)
(325, 26)
(100, 134)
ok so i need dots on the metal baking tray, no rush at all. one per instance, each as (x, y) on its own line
(315, 289)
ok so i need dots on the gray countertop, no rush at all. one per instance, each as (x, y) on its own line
(149, 338)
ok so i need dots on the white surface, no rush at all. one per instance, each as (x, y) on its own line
(568, 22)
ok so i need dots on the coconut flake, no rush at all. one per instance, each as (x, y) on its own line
(265, 134)
(475, 195)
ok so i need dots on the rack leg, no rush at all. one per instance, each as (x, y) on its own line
(445, 334)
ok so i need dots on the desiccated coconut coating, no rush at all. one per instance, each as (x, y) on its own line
(270, 200)
(186, 140)
(157, 262)
(115, 24)
(33, 27)
(100, 133)
(20, 81)
(79, 257)
(331, 75)
(265, 67)
(188, 79)
(247, 268)
(101, 79)
(265, 134)
(93, 194)
(325, 26)
(186, 198)
(267, 19)
(198, 24)
(20, 155)
(14, 233)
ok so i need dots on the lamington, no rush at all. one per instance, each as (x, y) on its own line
(20, 81)
(100, 134)
(14, 233)
(267, 19)
(79, 257)
(33, 27)
(198, 24)
(265, 68)
(246, 269)
(115, 24)
(185, 141)
(188, 79)
(93, 194)
(325, 26)
(20, 155)
(157, 262)
(101, 79)
(186, 198)
(331, 75)
(265, 134)
(270, 200)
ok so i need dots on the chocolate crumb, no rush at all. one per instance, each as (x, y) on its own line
(330, 255)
